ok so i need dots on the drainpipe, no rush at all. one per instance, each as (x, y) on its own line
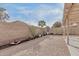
(67, 24)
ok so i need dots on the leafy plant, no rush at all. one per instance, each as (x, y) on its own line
(3, 14)
(42, 23)
(57, 24)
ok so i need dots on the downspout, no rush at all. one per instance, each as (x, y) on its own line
(67, 23)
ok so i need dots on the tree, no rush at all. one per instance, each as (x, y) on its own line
(3, 14)
(47, 28)
(57, 24)
(42, 23)
(6, 16)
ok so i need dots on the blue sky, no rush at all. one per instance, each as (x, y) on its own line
(31, 13)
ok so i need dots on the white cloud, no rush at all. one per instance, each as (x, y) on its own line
(24, 10)
(23, 20)
(43, 10)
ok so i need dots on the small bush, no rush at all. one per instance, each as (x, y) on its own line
(57, 24)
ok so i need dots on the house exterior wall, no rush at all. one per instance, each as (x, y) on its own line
(73, 13)
(71, 17)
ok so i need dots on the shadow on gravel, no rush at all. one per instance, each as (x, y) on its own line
(5, 46)
(9, 45)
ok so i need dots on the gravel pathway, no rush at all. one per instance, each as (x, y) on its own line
(50, 46)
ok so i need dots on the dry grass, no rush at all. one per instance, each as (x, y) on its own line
(13, 31)
(57, 30)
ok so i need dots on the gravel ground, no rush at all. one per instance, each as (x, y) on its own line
(45, 46)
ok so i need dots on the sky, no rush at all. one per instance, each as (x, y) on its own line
(31, 13)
